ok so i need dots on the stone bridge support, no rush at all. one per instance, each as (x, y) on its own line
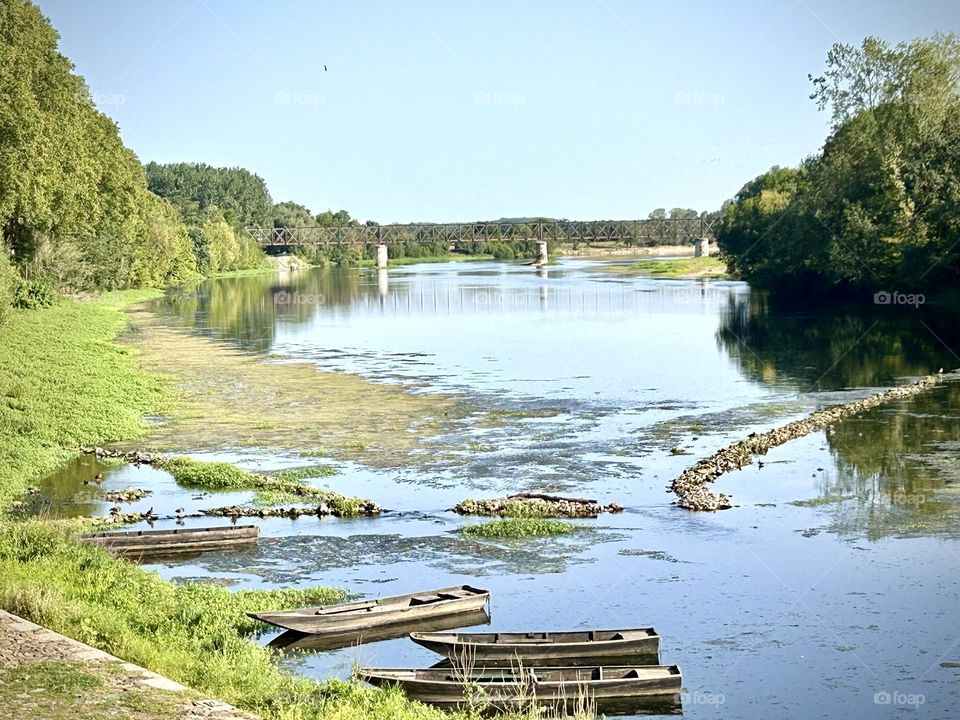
(701, 247)
(382, 257)
(542, 257)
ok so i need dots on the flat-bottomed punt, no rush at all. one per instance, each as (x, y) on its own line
(363, 614)
(139, 543)
(305, 642)
(512, 687)
(543, 647)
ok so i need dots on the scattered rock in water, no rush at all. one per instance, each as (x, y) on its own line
(134, 457)
(536, 505)
(689, 486)
(130, 494)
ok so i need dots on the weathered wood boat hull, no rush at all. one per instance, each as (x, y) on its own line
(589, 647)
(511, 688)
(396, 610)
(306, 642)
(140, 543)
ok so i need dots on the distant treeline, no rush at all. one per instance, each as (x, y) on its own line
(878, 209)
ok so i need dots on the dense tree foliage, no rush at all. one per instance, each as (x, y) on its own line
(240, 195)
(879, 207)
(74, 205)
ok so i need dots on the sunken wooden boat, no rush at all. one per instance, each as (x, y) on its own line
(291, 640)
(545, 648)
(363, 614)
(517, 687)
(180, 541)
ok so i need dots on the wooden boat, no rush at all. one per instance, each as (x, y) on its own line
(513, 687)
(544, 647)
(305, 642)
(175, 542)
(364, 614)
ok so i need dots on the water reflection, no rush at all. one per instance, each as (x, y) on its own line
(817, 347)
(900, 463)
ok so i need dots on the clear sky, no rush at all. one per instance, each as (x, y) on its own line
(440, 111)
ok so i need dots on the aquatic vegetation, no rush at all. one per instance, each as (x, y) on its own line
(480, 447)
(304, 473)
(533, 505)
(823, 500)
(519, 527)
(284, 486)
(233, 399)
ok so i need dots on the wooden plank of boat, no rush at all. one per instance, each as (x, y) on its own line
(510, 687)
(305, 642)
(180, 540)
(360, 615)
(539, 647)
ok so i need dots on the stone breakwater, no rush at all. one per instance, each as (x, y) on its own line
(536, 505)
(690, 486)
(367, 508)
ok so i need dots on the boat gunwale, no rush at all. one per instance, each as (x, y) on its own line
(672, 671)
(351, 611)
(434, 637)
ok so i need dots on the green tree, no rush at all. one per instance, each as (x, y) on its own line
(290, 215)
(240, 195)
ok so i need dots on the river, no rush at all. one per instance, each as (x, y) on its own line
(829, 590)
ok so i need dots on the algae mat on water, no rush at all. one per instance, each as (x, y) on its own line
(231, 398)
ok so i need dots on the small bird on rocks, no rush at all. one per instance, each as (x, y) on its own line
(180, 514)
(115, 510)
(99, 478)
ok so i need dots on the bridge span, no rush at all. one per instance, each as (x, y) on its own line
(636, 233)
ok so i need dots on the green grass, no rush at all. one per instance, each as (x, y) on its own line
(64, 384)
(208, 475)
(397, 262)
(453, 257)
(519, 527)
(682, 267)
(282, 487)
(81, 691)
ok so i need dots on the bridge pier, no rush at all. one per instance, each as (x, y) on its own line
(382, 257)
(542, 258)
(701, 247)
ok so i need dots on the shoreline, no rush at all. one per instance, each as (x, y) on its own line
(76, 357)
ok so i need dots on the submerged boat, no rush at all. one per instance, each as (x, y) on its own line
(363, 614)
(541, 647)
(512, 687)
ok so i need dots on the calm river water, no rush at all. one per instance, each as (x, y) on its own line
(830, 590)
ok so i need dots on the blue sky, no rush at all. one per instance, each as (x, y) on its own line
(460, 111)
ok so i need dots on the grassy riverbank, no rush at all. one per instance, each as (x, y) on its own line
(692, 267)
(65, 384)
